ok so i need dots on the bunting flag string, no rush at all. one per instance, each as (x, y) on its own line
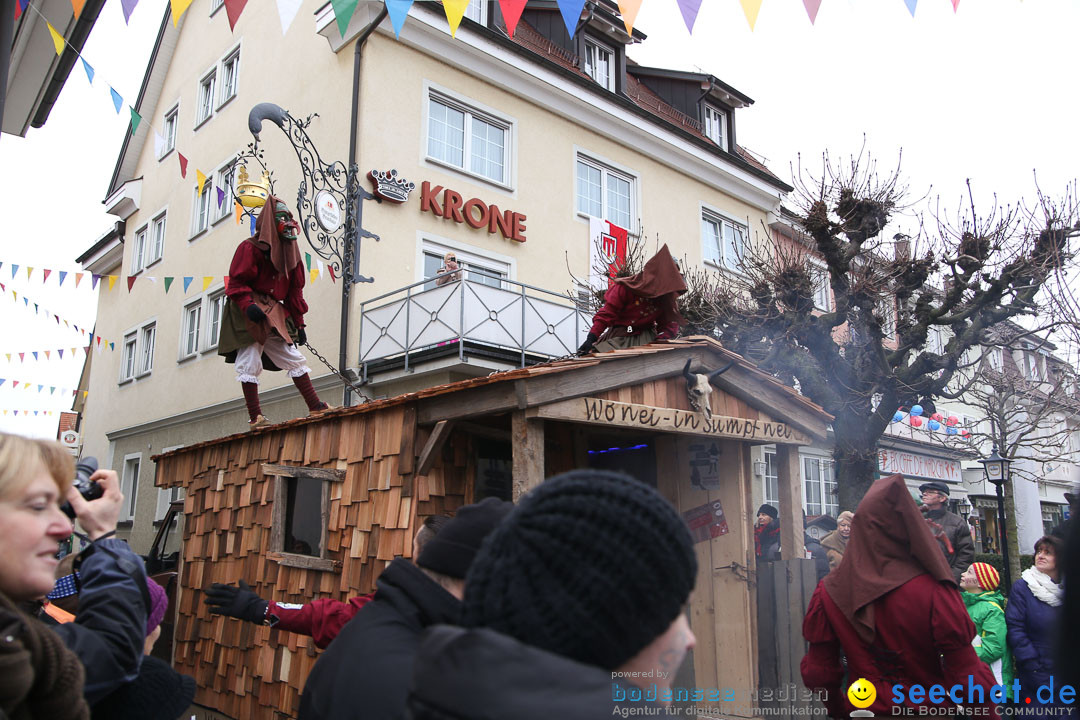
(69, 353)
(38, 309)
(36, 413)
(41, 387)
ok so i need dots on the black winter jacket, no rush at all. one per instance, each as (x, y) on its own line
(480, 674)
(959, 535)
(109, 631)
(365, 671)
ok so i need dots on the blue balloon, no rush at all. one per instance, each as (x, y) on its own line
(934, 425)
(898, 417)
(916, 410)
(950, 430)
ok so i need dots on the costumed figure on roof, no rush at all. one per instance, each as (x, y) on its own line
(264, 310)
(640, 308)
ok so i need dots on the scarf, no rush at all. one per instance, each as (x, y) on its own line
(39, 676)
(766, 534)
(1042, 587)
(890, 544)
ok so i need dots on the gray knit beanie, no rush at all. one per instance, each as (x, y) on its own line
(591, 565)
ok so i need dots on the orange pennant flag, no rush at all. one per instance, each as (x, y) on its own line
(77, 6)
(629, 10)
(239, 212)
(78, 279)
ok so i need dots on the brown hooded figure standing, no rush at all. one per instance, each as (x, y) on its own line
(893, 609)
(640, 308)
(264, 311)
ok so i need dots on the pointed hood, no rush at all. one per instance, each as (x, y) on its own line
(890, 544)
(660, 276)
(284, 255)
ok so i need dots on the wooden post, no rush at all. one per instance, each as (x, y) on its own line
(527, 440)
(789, 479)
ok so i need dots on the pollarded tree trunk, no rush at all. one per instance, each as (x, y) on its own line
(856, 461)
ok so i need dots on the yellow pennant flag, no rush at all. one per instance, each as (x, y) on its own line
(26, 386)
(207, 279)
(179, 7)
(112, 281)
(57, 39)
(455, 10)
(29, 270)
(239, 212)
(751, 8)
(84, 394)
(77, 6)
(202, 180)
(629, 10)
(314, 274)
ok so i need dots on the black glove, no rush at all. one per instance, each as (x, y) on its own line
(301, 336)
(586, 346)
(238, 602)
(255, 313)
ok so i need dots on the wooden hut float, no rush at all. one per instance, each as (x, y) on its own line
(318, 507)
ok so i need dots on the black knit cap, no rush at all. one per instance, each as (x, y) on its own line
(591, 565)
(453, 549)
(769, 510)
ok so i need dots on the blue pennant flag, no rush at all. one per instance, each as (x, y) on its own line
(117, 101)
(89, 70)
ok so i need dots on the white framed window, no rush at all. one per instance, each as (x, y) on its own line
(1032, 365)
(207, 93)
(473, 141)
(167, 496)
(129, 485)
(230, 71)
(168, 128)
(223, 180)
(476, 11)
(201, 206)
(128, 357)
(995, 358)
(155, 247)
(724, 241)
(138, 249)
(888, 317)
(820, 485)
(819, 277)
(191, 329)
(477, 268)
(215, 307)
(147, 337)
(772, 480)
(715, 126)
(200, 323)
(605, 193)
(600, 63)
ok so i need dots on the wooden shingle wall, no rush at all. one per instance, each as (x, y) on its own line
(248, 671)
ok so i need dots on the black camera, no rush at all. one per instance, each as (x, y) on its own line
(89, 489)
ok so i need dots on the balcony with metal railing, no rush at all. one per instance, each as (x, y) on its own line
(484, 320)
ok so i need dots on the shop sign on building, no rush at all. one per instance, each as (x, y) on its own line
(474, 212)
(914, 465)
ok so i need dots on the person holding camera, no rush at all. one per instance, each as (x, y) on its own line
(60, 672)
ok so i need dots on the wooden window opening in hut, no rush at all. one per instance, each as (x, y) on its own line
(298, 535)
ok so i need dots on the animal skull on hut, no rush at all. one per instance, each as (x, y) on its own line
(699, 388)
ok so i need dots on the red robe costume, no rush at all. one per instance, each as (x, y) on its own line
(646, 301)
(322, 619)
(893, 609)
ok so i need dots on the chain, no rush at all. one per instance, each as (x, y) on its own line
(343, 376)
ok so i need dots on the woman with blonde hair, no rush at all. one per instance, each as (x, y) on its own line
(835, 543)
(60, 672)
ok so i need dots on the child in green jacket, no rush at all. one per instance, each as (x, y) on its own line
(987, 610)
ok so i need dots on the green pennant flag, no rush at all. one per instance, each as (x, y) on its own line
(168, 282)
(343, 12)
(307, 256)
(135, 119)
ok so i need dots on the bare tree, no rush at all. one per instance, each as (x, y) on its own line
(1023, 409)
(870, 353)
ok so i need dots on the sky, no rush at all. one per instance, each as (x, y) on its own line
(986, 93)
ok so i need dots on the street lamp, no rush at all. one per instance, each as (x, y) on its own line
(330, 205)
(996, 470)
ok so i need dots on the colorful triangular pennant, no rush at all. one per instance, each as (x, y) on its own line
(455, 10)
(57, 38)
(812, 7)
(571, 13)
(179, 7)
(233, 8)
(89, 70)
(118, 102)
(128, 6)
(629, 10)
(343, 12)
(751, 8)
(287, 10)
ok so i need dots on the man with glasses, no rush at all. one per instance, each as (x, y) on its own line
(957, 545)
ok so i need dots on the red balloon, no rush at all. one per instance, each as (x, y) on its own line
(916, 421)
(936, 416)
(953, 420)
(964, 433)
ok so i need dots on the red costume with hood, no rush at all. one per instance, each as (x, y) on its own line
(265, 307)
(645, 301)
(893, 609)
